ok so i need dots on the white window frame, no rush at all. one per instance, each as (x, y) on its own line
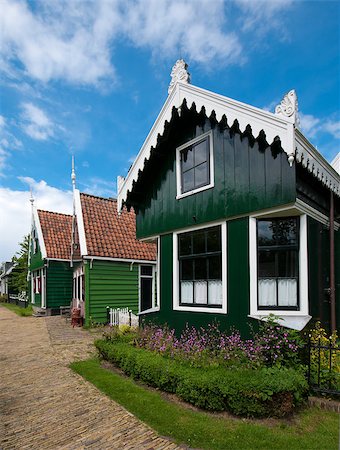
(78, 296)
(295, 319)
(175, 279)
(155, 292)
(178, 166)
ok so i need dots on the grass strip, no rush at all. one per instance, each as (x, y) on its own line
(311, 429)
(19, 310)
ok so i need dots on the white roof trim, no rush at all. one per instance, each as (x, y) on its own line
(273, 125)
(315, 163)
(80, 223)
(126, 260)
(39, 232)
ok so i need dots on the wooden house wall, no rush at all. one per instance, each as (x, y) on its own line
(237, 286)
(247, 178)
(109, 283)
(59, 278)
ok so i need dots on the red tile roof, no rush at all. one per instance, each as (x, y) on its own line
(56, 229)
(109, 235)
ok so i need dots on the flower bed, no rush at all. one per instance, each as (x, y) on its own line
(211, 370)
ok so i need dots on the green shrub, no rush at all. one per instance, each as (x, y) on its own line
(261, 392)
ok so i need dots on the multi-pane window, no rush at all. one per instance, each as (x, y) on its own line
(195, 165)
(147, 288)
(278, 263)
(200, 267)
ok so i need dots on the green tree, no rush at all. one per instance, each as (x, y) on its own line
(18, 280)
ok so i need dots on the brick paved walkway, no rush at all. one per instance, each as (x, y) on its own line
(44, 405)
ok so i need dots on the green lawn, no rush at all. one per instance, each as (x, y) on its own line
(310, 429)
(18, 309)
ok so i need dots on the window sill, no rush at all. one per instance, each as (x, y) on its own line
(194, 191)
(204, 309)
(148, 311)
(295, 321)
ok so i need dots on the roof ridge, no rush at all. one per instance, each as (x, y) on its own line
(97, 196)
(54, 212)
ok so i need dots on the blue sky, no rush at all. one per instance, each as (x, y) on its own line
(89, 77)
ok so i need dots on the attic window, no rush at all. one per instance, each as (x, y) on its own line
(195, 166)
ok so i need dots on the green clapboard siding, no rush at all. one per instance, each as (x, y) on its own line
(247, 179)
(58, 284)
(109, 284)
(237, 289)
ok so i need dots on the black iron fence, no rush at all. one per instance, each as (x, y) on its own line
(324, 367)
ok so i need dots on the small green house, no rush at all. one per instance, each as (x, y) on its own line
(50, 274)
(246, 213)
(115, 270)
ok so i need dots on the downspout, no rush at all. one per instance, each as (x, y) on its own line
(332, 269)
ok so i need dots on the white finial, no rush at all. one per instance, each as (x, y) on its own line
(73, 174)
(31, 197)
(179, 73)
(289, 107)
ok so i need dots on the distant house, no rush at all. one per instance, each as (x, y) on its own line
(115, 270)
(245, 210)
(50, 273)
(5, 274)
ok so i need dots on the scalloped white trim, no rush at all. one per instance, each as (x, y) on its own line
(313, 161)
(273, 125)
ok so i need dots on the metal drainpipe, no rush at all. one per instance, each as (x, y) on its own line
(332, 271)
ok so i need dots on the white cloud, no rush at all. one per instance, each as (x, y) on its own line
(36, 123)
(75, 40)
(309, 124)
(8, 142)
(261, 15)
(333, 127)
(15, 217)
(169, 27)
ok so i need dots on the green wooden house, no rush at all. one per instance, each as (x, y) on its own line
(244, 209)
(115, 270)
(50, 274)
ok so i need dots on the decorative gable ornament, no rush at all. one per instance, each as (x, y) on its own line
(289, 107)
(179, 73)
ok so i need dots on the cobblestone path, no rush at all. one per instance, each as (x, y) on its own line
(44, 405)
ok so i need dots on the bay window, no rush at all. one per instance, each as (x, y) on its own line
(278, 263)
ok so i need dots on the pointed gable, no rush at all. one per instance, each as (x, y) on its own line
(57, 230)
(111, 235)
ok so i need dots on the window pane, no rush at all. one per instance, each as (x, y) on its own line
(187, 159)
(214, 239)
(215, 292)
(287, 292)
(288, 263)
(200, 265)
(146, 293)
(201, 174)
(215, 267)
(187, 269)
(277, 232)
(188, 180)
(201, 292)
(266, 265)
(146, 270)
(201, 152)
(187, 292)
(185, 247)
(198, 242)
(267, 292)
